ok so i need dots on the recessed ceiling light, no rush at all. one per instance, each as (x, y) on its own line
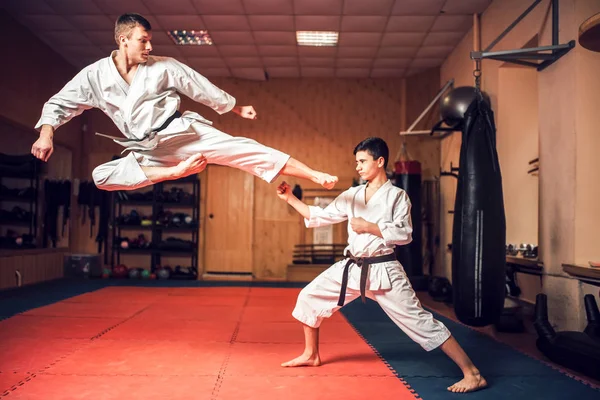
(190, 38)
(316, 38)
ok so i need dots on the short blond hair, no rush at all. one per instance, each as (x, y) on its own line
(126, 22)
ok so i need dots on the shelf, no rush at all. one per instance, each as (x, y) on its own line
(149, 203)
(530, 266)
(18, 175)
(136, 202)
(187, 179)
(177, 205)
(134, 227)
(134, 250)
(160, 199)
(16, 223)
(163, 228)
(16, 199)
(26, 168)
(175, 253)
(584, 273)
(12, 251)
(190, 228)
(154, 250)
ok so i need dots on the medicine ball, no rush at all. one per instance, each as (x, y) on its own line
(454, 105)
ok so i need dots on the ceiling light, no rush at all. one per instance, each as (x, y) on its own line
(316, 38)
(190, 38)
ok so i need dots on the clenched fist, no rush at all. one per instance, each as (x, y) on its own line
(359, 225)
(284, 191)
(43, 148)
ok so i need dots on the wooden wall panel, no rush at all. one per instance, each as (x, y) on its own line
(34, 267)
(317, 121)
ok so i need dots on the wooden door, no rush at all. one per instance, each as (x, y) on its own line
(229, 217)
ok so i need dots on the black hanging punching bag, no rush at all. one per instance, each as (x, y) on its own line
(407, 176)
(479, 231)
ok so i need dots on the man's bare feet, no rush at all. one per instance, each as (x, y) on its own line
(469, 383)
(304, 361)
(326, 180)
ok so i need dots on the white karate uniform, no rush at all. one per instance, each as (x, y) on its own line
(387, 283)
(139, 109)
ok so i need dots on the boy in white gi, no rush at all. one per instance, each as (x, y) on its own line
(379, 219)
(140, 93)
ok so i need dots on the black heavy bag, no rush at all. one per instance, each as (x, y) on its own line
(479, 231)
(407, 176)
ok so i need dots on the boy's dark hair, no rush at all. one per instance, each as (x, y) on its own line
(126, 22)
(376, 147)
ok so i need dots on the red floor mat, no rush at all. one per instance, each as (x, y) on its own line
(274, 292)
(9, 379)
(210, 291)
(118, 297)
(54, 327)
(286, 302)
(184, 343)
(277, 314)
(313, 388)
(76, 387)
(291, 332)
(29, 355)
(140, 357)
(204, 313)
(97, 310)
(184, 330)
(203, 301)
(356, 359)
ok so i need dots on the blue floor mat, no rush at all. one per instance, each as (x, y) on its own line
(510, 374)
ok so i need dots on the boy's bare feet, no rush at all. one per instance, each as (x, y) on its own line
(325, 180)
(304, 361)
(469, 383)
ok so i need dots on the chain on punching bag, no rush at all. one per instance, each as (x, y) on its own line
(407, 176)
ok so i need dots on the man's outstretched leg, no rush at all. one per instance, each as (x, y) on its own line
(310, 357)
(127, 174)
(295, 168)
(242, 153)
(472, 380)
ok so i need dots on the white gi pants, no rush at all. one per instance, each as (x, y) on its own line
(218, 147)
(318, 300)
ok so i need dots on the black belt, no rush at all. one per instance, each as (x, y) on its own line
(363, 263)
(177, 114)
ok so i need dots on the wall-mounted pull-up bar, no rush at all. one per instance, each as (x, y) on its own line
(548, 55)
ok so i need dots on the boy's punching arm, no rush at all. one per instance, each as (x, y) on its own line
(315, 216)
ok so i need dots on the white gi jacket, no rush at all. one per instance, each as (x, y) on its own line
(141, 108)
(389, 208)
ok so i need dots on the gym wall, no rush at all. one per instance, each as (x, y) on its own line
(31, 74)
(567, 93)
(317, 121)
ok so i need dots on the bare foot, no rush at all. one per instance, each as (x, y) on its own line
(303, 361)
(326, 180)
(469, 383)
